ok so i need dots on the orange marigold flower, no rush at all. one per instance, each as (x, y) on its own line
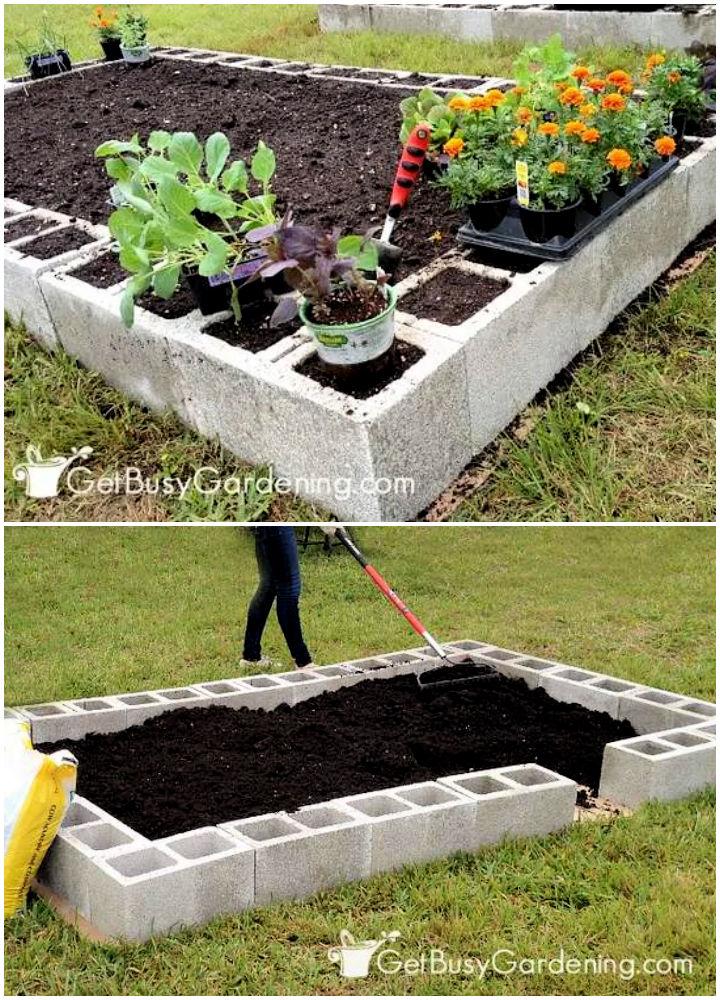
(557, 167)
(656, 59)
(575, 127)
(665, 145)
(580, 72)
(519, 91)
(596, 84)
(572, 96)
(587, 110)
(495, 97)
(519, 137)
(480, 103)
(454, 147)
(548, 128)
(103, 23)
(459, 103)
(590, 135)
(620, 159)
(674, 77)
(619, 78)
(614, 102)
(524, 115)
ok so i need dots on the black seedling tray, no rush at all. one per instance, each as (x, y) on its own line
(510, 236)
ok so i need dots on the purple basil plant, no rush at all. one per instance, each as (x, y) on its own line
(314, 263)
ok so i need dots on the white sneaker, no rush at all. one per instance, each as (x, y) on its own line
(263, 662)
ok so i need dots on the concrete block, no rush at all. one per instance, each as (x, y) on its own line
(94, 715)
(265, 691)
(344, 17)
(652, 710)
(49, 722)
(297, 855)
(144, 705)
(412, 824)
(660, 766)
(525, 800)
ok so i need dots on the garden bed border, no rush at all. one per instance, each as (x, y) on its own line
(103, 869)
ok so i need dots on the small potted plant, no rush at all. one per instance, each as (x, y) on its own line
(555, 193)
(676, 84)
(133, 36)
(184, 211)
(351, 316)
(48, 55)
(106, 27)
(484, 185)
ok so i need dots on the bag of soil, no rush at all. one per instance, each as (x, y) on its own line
(37, 792)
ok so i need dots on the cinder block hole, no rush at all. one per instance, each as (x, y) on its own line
(330, 671)
(500, 654)
(267, 829)
(686, 739)
(200, 845)
(40, 711)
(403, 658)
(379, 805)
(468, 644)
(143, 862)
(708, 728)
(535, 664)
(369, 665)
(482, 785)
(139, 699)
(102, 837)
(222, 687)
(77, 814)
(699, 708)
(658, 697)
(260, 682)
(531, 776)
(573, 675)
(92, 704)
(175, 694)
(611, 685)
(428, 795)
(649, 748)
(297, 678)
(318, 819)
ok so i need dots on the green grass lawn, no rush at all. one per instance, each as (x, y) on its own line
(284, 30)
(99, 610)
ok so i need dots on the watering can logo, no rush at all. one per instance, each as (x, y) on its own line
(42, 475)
(354, 956)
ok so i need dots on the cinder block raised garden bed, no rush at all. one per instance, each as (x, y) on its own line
(672, 26)
(220, 796)
(479, 336)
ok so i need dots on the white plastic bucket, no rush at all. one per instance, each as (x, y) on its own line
(353, 343)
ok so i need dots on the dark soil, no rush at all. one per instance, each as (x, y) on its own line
(459, 673)
(464, 82)
(25, 227)
(57, 242)
(336, 143)
(197, 767)
(452, 296)
(254, 332)
(348, 305)
(181, 303)
(371, 381)
(705, 129)
(101, 272)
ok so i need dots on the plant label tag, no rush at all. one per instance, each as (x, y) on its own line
(241, 271)
(523, 183)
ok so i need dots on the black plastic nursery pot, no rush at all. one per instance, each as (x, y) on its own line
(541, 225)
(111, 48)
(488, 213)
(214, 294)
(43, 64)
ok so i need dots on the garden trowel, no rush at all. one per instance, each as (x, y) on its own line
(465, 673)
(407, 175)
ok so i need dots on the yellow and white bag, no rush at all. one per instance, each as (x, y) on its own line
(37, 792)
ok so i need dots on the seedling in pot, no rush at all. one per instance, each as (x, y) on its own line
(183, 208)
(48, 55)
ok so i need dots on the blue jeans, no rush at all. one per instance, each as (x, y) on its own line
(279, 569)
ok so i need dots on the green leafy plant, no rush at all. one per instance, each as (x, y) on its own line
(473, 179)
(47, 42)
(427, 106)
(133, 28)
(183, 206)
(676, 85)
(540, 67)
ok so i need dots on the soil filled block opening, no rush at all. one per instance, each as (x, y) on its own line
(220, 764)
(452, 296)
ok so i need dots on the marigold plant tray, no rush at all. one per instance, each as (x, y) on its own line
(510, 236)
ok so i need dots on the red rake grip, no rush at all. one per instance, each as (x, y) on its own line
(415, 623)
(409, 168)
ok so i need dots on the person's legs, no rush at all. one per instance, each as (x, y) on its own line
(286, 579)
(262, 601)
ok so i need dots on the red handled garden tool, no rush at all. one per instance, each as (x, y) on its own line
(407, 175)
(460, 673)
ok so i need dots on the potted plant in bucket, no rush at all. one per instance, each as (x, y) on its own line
(108, 33)
(133, 36)
(350, 316)
(48, 56)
